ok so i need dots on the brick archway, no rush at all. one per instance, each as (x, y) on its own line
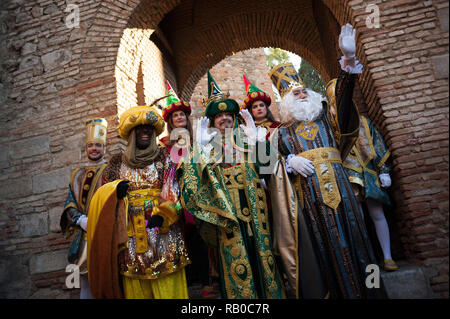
(190, 36)
(54, 77)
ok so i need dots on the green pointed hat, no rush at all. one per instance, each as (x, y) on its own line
(171, 95)
(173, 103)
(254, 94)
(218, 102)
(213, 89)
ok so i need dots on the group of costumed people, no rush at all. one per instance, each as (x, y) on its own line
(274, 208)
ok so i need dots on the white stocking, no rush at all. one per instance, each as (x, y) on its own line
(376, 213)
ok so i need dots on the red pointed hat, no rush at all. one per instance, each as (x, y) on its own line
(254, 94)
(174, 104)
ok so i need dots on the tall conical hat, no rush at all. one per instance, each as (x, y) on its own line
(173, 103)
(218, 102)
(285, 78)
(96, 129)
(254, 94)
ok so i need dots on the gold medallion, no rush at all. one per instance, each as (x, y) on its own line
(222, 106)
(307, 131)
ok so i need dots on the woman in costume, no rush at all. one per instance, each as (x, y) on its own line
(258, 102)
(178, 142)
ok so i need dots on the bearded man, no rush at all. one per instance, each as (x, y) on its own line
(83, 184)
(331, 246)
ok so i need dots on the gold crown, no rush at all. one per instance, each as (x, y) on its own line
(285, 78)
(96, 130)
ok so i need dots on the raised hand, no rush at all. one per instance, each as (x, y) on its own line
(249, 128)
(202, 136)
(347, 41)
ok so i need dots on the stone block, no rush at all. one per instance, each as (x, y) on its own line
(76, 141)
(56, 59)
(54, 215)
(50, 181)
(66, 158)
(49, 293)
(48, 262)
(14, 277)
(33, 225)
(29, 48)
(3, 94)
(15, 188)
(29, 62)
(409, 282)
(37, 12)
(440, 64)
(29, 147)
(443, 18)
(4, 150)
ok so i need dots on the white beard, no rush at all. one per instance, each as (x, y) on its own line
(306, 110)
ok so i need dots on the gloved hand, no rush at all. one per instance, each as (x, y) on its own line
(385, 180)
(82, 222)
(121, 189)
(249, 128)
(347, 42)
(155, 221)
(301, 165)
(203, 137)
(261, 134)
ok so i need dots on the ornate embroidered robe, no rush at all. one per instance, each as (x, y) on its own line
(141, 252)
(367, 160)
(229, 203)
(339, 243)
(270, 127)
(83, 184)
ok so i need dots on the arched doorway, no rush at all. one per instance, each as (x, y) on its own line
(184, 38)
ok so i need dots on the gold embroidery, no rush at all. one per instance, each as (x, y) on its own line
(241, 272)
(307, 131)
(322, 159)
(222, 106)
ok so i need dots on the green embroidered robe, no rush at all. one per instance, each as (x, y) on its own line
(229, 203)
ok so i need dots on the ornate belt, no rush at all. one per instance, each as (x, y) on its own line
(322, 158)
(140, 201)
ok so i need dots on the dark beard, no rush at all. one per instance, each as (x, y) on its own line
(95, 159)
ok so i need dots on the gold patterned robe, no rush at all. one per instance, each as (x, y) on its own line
(146, 254)
(229, 203)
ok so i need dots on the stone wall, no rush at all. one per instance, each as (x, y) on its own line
(229, 76)
(53, 77)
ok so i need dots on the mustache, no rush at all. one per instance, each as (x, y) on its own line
(225, 121)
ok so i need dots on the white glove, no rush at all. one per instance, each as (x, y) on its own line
(202, 136)
(249, 128)
(82, 222)
(261, 133)
(301, 165)
(347, 42)
(385, 180)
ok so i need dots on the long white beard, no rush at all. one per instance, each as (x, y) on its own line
(306, 110)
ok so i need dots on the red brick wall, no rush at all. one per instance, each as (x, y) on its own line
(410, 106)
(228, 75)
(52, 78)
